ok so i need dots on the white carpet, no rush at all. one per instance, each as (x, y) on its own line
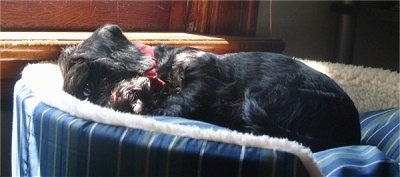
(369, 88)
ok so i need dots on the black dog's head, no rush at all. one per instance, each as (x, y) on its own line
(93, 68)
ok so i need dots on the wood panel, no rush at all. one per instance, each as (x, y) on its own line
(178, 16)
(223, 17)
(208, 17)
(83, 15)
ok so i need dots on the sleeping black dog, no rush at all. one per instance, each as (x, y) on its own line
(254, 92)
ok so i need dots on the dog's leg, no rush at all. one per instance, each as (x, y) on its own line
(262, 115)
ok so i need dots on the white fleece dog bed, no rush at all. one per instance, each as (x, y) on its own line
(370, 89)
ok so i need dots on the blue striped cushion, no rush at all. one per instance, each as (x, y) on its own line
(381, 129)
(359, 160)
(74, 147)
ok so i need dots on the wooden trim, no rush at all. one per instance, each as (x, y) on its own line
(46, 45)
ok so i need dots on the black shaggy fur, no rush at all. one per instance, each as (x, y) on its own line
(256, 92)
(93, 68)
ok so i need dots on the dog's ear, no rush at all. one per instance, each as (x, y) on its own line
(64, 61)
(75, 78)
(111, 69)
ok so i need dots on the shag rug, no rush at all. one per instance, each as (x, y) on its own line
(370, 89)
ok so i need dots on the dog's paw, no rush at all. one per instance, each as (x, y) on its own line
(120, 100)
(126, 96)
(171, 111)
(160, 112)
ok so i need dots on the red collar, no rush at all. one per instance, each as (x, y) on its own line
(152, 73)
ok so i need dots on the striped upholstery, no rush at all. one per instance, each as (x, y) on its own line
(49, 142)
(382, 129)
(378, 157)
(356, 161)
(80, 148)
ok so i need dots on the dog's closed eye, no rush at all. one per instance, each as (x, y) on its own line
(134, 95)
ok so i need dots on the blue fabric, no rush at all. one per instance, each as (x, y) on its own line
(378, 157)
(24, 160)
(54, 143)
(77, 147)
(188, 122)
(382, 129)
(356, 161)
